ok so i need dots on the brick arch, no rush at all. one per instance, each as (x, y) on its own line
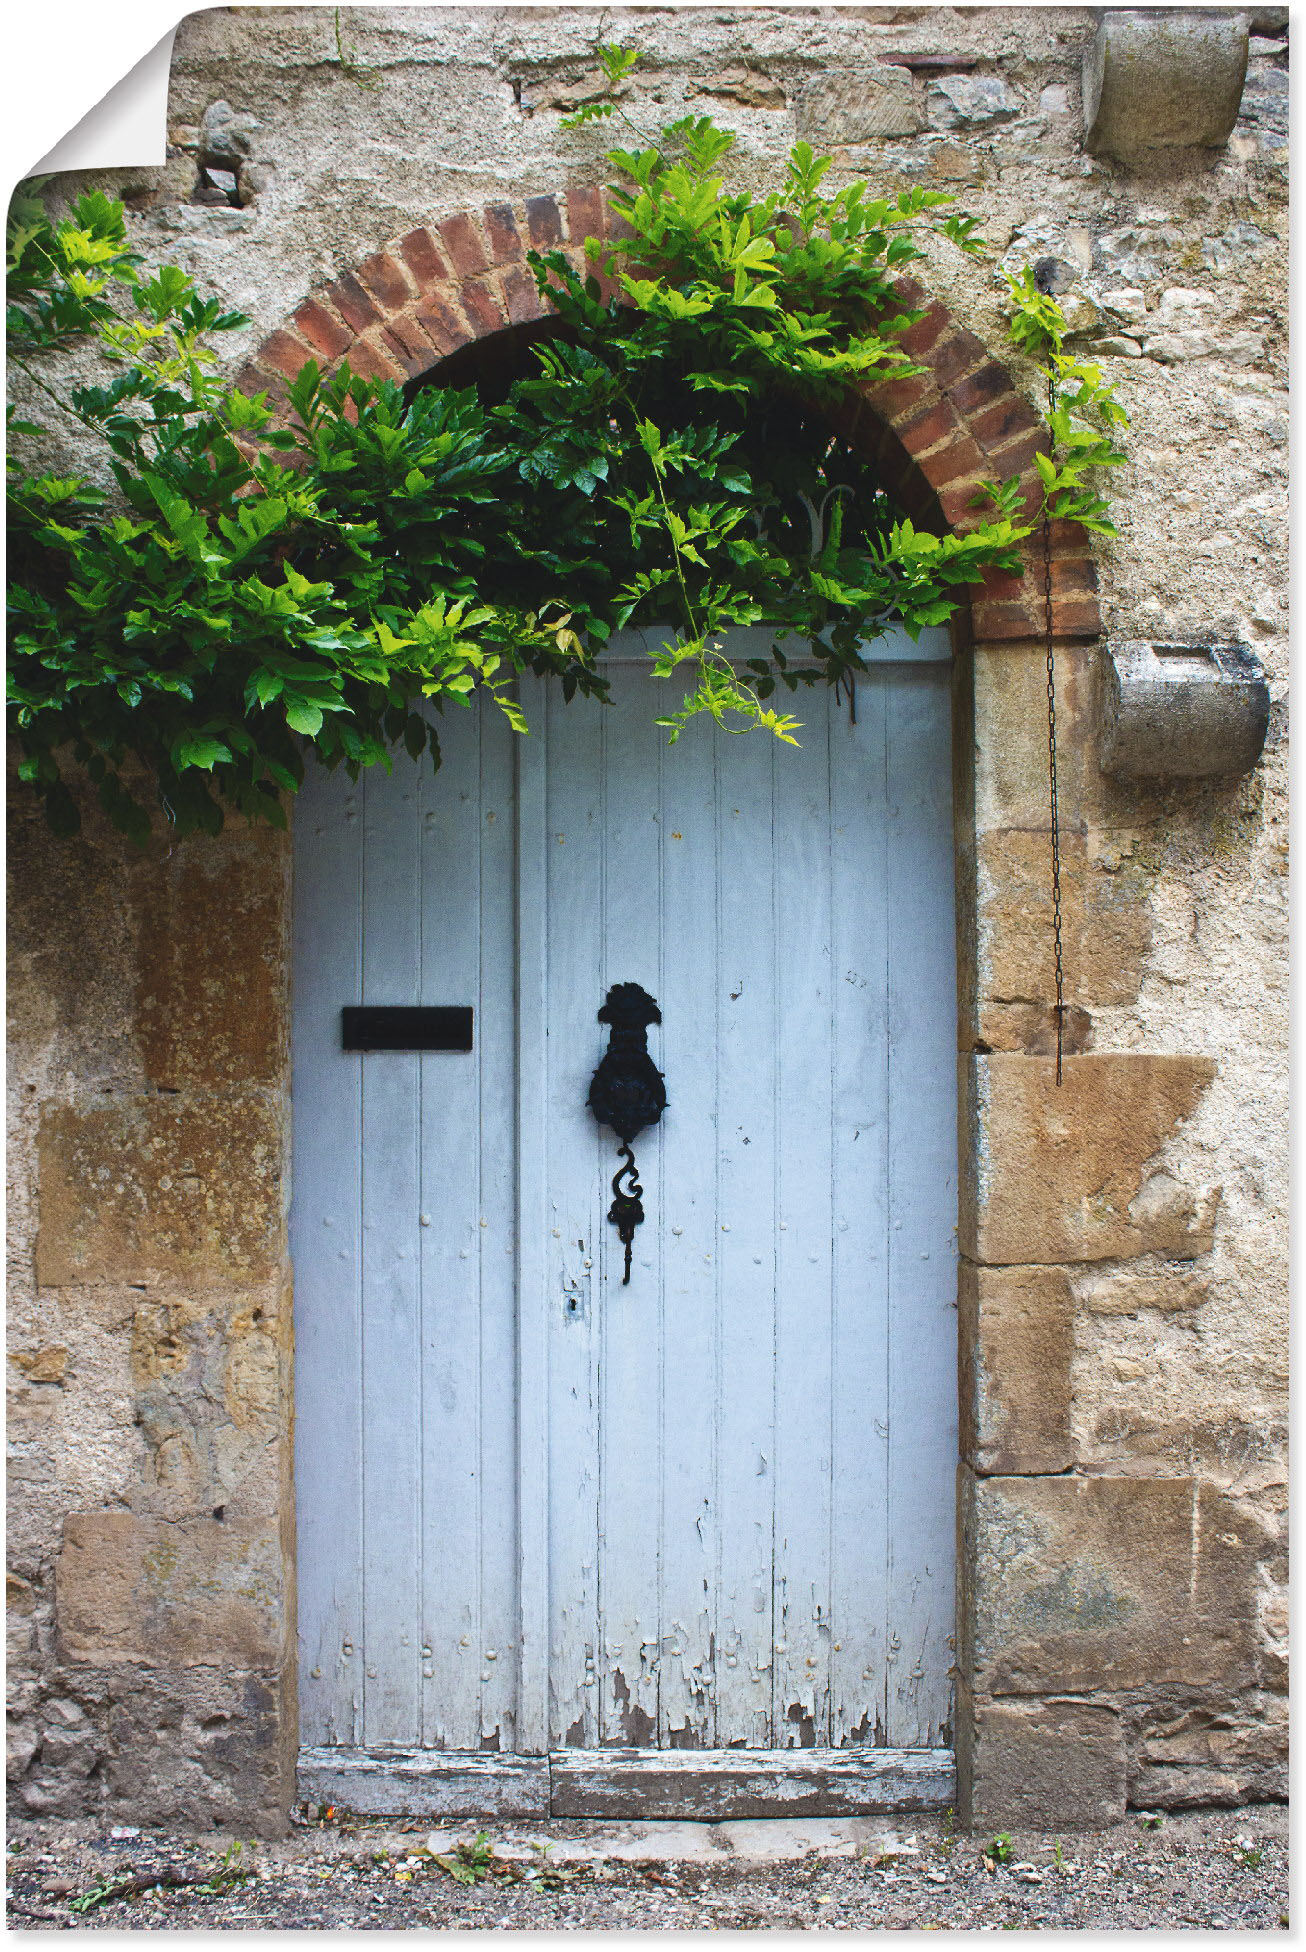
(933, 436)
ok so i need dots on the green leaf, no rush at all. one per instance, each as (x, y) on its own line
(204, 753)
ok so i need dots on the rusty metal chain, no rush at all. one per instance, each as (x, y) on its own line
(1052, 767)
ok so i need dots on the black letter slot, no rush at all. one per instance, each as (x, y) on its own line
(406, 1027)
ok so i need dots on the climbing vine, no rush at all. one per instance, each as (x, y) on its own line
(222, 596)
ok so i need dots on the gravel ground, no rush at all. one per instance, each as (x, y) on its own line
(1226, 1870)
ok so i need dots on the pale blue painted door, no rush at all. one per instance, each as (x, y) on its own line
(542, 1511)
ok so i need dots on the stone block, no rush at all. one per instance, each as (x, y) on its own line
(1265, 106)
(1158, 79)
(1047, 1765)
(161, 1190)
(1010, 737)
(1017, 1345)
(20, 1619)
(209, 1393)
(970, 101)
(849, 108)
(205, 1592)
(1120, 1291)
(213, 955)
(70, 948)
(1106, 923)
(1189, 1754)
(751, 87)
(46, 1364)
(188, 1747)
(1273, 1618)
(1097, 1585)
(1062, 1173)
(227, 136)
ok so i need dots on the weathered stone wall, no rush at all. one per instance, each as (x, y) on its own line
(151, 1612)
(1123, 1295)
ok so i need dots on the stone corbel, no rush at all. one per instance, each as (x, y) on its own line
(1157, 79)
(1182, 711)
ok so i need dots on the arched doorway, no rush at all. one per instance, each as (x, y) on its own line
(963, 418)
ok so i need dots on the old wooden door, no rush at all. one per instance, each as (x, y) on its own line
(683, 1545)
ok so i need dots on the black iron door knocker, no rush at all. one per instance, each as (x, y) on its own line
(627, 1092)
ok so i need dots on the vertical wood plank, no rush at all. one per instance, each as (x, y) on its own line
(499, 1240)
(923, 1209)
(573, 891)
(803, 1349)
(533, 1351)
(633, 1648)
(451, 1242)
(859, 1368)
(326, 1246)
(689, 1220)
(391, 1189)
(745, 1367)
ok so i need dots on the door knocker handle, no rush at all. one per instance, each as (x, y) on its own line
(627, 1092)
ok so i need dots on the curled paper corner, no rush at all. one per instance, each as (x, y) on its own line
(127, 128)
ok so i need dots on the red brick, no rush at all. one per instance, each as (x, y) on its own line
(978, 388)
(284, 353)
(420, 255)
(895, 399)
(411, 363)
(1073, 576)
(1076, 617)
(466, 252)
(935, 423)
(353, 303)
(405, 331)
(325, 334)
(1001, 586)
(576, 258)
(1028, 507)
(502, 232)
(1013, 457)
(385, 280)
(524, 301)
(957, 504)
(250, 380)
(959, 457)
(372, 361)
(443, 324)
(912, 293)
(998, 423)
(410, 345)
(483, 307)
(919, 338)
(586, 211)
(1004, 621)
(1069, 539)
(954, 356)
(544, 221)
